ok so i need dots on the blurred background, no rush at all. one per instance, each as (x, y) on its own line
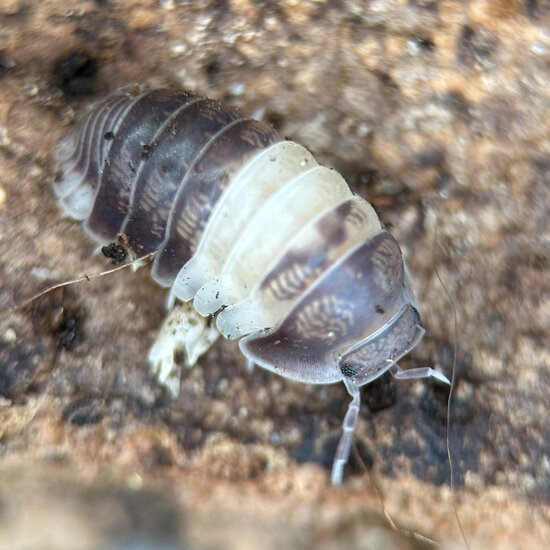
(436, 111)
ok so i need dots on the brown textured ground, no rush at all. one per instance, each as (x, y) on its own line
(434, 110)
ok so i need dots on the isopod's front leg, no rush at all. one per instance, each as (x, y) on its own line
(348, 427)
(183, 330)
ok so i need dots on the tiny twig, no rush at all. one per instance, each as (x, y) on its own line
(81, 279)
(392, 524)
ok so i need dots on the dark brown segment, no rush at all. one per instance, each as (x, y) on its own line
(100, 146)
(85, 151)
(136, 131)
(202, 188)
(352, 300)
(110, 126)
(164, 166)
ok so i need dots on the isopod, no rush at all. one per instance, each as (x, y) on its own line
(248, 229)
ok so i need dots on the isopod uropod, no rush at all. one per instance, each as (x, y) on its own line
(249, 227)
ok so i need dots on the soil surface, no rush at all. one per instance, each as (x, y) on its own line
(436, 111)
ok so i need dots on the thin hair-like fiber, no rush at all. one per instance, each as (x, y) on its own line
(453, 378)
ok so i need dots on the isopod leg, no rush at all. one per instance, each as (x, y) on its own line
(348, 427)
(183, 330)
(250, 364)
(423, 372)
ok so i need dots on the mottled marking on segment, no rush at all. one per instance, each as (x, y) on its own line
(288, 283)
(191, 221)
(327, 318)
(318, 246)
(387, 265)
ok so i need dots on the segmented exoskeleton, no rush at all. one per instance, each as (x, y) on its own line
(248, 226)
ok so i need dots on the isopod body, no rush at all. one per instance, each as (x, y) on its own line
(247, 226)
